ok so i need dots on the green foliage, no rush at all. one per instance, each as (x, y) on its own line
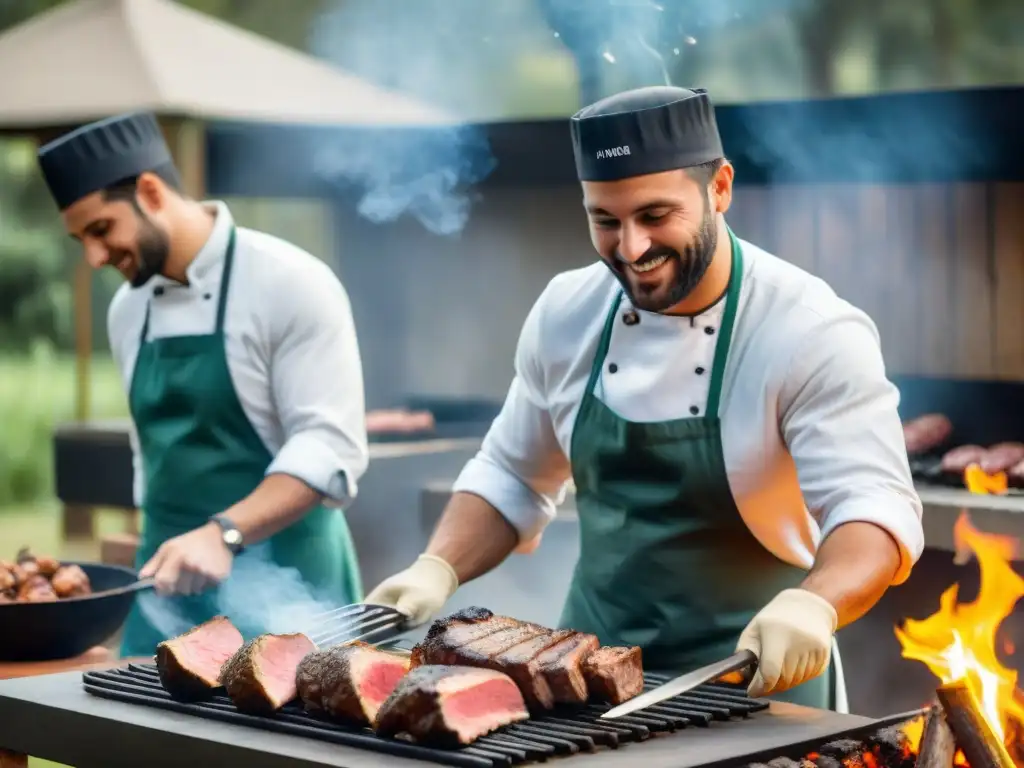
(37, 393)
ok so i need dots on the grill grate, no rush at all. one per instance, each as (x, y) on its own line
(562, 732)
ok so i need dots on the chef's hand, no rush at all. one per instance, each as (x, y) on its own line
(190, 563)
(419, 591)
(792, 639)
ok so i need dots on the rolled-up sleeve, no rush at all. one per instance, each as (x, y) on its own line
(317, 382)
(841, 424)
(521, 469)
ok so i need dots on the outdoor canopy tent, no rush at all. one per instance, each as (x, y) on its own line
(89, 59)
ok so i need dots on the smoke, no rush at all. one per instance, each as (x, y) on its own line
(260, 597)
(417, 49)
(265, 595)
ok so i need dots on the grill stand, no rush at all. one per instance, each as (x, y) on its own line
(53, 717)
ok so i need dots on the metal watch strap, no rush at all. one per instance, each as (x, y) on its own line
(230, 534)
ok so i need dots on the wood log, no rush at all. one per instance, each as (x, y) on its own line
(938, 744)
(974, 735)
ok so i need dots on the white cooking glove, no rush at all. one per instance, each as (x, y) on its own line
(419, 591)
(792, 639)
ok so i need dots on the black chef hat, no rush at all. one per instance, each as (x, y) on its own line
(647, 130)
(100, 154)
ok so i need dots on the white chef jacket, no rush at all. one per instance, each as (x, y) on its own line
(291, 350)
(810, 430)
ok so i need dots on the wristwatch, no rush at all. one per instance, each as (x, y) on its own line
(230, 534)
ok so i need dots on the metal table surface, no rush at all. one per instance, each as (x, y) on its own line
(52, 717)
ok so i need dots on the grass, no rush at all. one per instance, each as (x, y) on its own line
(37, 392)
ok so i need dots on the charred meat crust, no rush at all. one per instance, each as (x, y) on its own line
(239, 677)
(547, 665)
(416, 706)
(177, 679)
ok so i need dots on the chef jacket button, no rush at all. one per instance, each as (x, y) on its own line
(694, 410)
(709, 330)
(699, 370)
(612, 367)
(158, 291)
(630, 317)
(207, 296)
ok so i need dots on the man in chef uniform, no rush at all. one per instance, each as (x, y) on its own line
(243, 374)
(740, 471)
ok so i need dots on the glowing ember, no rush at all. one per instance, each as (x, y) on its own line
(958, 642)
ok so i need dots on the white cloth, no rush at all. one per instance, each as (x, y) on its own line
(811, 433)
(291, 350)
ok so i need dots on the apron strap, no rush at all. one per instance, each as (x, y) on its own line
(225, 281)
(602, 346)
(732, 296)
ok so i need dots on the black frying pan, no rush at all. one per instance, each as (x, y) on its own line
(66, 628)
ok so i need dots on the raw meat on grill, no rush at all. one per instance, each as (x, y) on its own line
(1001, 457)
(261, 676)
(349, 682)
(614, 675)
(926, 433)
(189, 665)
(451, 705)
(958, 459)
(546, 664)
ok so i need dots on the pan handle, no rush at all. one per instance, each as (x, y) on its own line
(140, 585)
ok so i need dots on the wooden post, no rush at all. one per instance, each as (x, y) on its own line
(78, 522)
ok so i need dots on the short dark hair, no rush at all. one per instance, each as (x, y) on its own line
(125, 189)
(705, 172)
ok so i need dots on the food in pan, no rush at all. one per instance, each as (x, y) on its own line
(189, 665)
(451, 705)
(349, 682)
(261, 676)
(1002, 457)
(958, 459)
(547, 665)
(614, 675)
(32, 579)
(926, 433)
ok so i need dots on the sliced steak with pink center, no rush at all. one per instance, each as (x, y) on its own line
(349, 682)
(189, 665)
(261, 677)
(614, 674)
(451, 705)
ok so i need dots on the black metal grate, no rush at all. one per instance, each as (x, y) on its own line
(562, 732)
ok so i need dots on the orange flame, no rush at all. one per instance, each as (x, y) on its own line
(959, 640)
(977, 480)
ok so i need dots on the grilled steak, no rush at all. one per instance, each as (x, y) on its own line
(261, 676)
(451, 705)
(562, 667)
(614, 674)
(546, 664)
(189, 665)
(349, 681)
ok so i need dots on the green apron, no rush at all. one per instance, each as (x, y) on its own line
(666, 562)
(201, 455)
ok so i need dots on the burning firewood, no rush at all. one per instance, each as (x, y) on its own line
(980, 744)
(938, 745)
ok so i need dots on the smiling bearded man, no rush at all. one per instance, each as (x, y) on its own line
(740, 470)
